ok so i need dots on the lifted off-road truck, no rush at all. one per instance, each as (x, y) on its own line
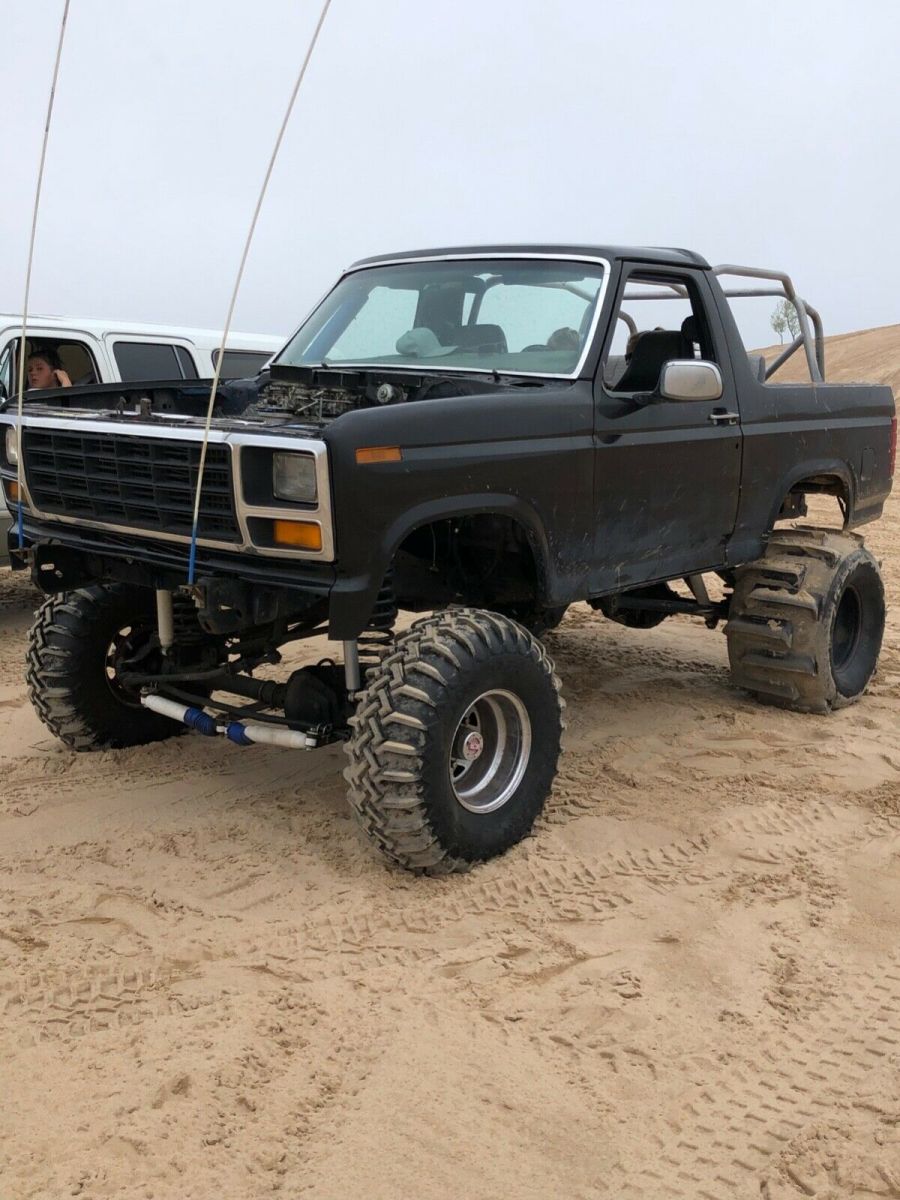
(484, 435)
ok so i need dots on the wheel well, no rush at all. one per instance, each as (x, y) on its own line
(795, 503)
(479, 558)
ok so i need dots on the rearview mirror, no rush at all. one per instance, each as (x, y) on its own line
(690, 379)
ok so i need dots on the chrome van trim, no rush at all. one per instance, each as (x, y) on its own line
(320, 513)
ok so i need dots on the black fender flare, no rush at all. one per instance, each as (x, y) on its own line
(836, 467)
(353, 598)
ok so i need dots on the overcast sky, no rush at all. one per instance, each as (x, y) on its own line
(753, 131)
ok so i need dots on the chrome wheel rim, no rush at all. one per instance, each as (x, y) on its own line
(489, 752)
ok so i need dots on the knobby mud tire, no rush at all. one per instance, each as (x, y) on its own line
(806, 621)
(406, 719)
(67, 678)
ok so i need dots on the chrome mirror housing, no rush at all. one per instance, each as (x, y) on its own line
(690, 379)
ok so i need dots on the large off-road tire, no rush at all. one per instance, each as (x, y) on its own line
(73, 647)
(805, 622)
(455, 741)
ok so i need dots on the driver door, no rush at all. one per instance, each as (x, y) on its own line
(666, 473)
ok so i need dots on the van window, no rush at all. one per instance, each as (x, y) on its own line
(188, 368)
(76, 358)
(240, 364)
(6, 381)
(138, 361)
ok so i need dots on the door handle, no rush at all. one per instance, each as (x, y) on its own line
(720, 417)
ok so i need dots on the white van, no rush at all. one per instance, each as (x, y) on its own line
(93, 351)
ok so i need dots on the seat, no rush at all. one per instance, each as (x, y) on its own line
(651, 350)
(489, 339)
(690, 331)
(615, 369)
(758, 366)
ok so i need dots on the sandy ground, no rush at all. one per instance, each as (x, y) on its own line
(686, 984)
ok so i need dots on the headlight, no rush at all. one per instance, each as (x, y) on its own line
(12, 446)
(294, 477)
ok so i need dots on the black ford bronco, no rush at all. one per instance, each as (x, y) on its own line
(484, 435)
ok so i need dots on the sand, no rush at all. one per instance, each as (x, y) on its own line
(685, 984)
(870, 355)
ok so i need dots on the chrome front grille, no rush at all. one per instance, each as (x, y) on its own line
(131, 480)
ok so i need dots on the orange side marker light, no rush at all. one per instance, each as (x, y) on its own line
(378, 454)
(304, 535)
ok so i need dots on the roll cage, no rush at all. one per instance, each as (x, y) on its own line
(810, 337)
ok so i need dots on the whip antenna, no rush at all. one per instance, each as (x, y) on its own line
(34, 216)
(237, 283)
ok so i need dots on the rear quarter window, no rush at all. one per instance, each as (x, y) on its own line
(138, 361)
(240, 364)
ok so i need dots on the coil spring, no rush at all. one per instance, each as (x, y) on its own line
(376, 640)
(188, 630)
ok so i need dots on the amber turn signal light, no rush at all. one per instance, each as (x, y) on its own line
(304, 535)
(377, 454)
(12, 491)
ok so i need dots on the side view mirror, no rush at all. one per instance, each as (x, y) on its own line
(690, 379)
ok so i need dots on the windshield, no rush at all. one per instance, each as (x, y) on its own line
(515, 316)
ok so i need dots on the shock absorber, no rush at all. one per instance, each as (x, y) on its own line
(165, 620)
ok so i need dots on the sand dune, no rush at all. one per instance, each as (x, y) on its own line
(871, 356)
(686, 984)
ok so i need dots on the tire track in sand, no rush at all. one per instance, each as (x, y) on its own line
(837, 1063)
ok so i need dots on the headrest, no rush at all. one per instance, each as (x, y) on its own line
(651, 349)
(659, 344)
(689, 330)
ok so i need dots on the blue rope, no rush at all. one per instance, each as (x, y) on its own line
(192, 558)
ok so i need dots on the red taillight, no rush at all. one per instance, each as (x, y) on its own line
(893, 455)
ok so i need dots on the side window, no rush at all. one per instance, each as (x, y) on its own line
(72, 357)
(660, 317)
(7, 386)
(240, 364)
(188, 367)
(139, 361)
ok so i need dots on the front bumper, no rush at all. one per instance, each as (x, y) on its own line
(163, 564)
(61, 557)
